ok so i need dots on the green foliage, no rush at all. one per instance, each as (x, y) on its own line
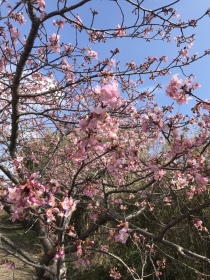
(99, 272)
(22, 238)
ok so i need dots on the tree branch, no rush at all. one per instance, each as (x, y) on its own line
(65, 10)
(183, 216)
(16, 80)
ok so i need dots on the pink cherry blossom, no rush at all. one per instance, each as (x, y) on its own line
(10, 265)
(120, 31)
(196, 85)
(123, 234)
(174, 90)
(69, 205)
(108, 94)
(60, 23)
(54, 40)
(41, 4)
(59, 254)
(15, 34)
(92, 54)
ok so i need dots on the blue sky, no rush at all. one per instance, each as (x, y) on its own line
(109, 16)
(137, 50)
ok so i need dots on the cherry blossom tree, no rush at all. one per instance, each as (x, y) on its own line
(81, 134)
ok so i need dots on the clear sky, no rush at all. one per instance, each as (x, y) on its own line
(109, 16)
(137, 50)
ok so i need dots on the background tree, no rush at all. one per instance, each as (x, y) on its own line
(88, 157)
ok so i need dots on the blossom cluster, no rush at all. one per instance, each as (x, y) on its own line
(178, 90)
(33, 196)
